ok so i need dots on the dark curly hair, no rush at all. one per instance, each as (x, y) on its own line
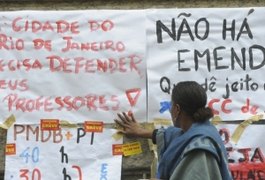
(192, 99)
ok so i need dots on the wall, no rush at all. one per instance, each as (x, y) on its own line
(137, 166)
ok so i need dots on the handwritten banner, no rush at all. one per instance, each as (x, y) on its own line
(72, 65)
(222, 49)
(62, 154)
(247, 156)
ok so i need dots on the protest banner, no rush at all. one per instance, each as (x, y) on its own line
(72, 65)
(61, 70)
(223, 49)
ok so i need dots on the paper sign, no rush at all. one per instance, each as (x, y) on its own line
(49, 124)
(10, 149)
(117, 149)
(62, 154)
(93, 126)
(130, 149)
(221, 49)
(246, 157)
(73, 65)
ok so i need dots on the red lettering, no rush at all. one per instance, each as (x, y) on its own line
(224, 132)
(3, 41)
(47, 26)
(78, 102)
(70, 44)
(79, 171)
(102, 103)
(223, 106)
(47, 104)
(40, 43)
(107, 25)
(14, 25)
(122, 65)
(211, 104)
(91, 99)
(133, 100)
(2, 65)
(247, 108)
(257, 156)
(120, 46)
(245, 153)
(58, 100)
(115, 100)
(20, 85)
(75, 65)
(67, 101)
(24, 174)
(7, 43)
(89, 66)
(61, 26)
(112, 65)
(102, 66)
(109, 45)
(59, 64)
(25, 64)
(74, 27)
(78, 61)
(28, 105)
(36, 26)
(93, 25)
(134, 60)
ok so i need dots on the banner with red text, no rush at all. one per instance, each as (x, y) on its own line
(245, 149)
(72, 65)
(221, 48)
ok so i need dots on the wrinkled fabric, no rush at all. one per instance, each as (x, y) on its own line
(172, 142)
(197, 165)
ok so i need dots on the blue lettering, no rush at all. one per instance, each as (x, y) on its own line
(104, 171)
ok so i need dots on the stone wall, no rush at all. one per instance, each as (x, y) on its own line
(137, 166)
(10, 5)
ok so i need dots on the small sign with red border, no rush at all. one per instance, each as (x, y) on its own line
(10, 149)
(49, 124)
(117, 149)
(93, 126)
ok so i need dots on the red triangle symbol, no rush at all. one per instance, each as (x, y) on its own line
(136, 92)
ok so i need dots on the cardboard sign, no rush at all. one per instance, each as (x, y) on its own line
(49, 124)
(93, 126)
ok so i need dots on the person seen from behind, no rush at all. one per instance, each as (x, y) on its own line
(192, 149)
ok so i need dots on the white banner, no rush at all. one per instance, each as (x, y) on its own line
(72, 65)
(69, 153)
(221, 48)
(79, 66)
(246, 150)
